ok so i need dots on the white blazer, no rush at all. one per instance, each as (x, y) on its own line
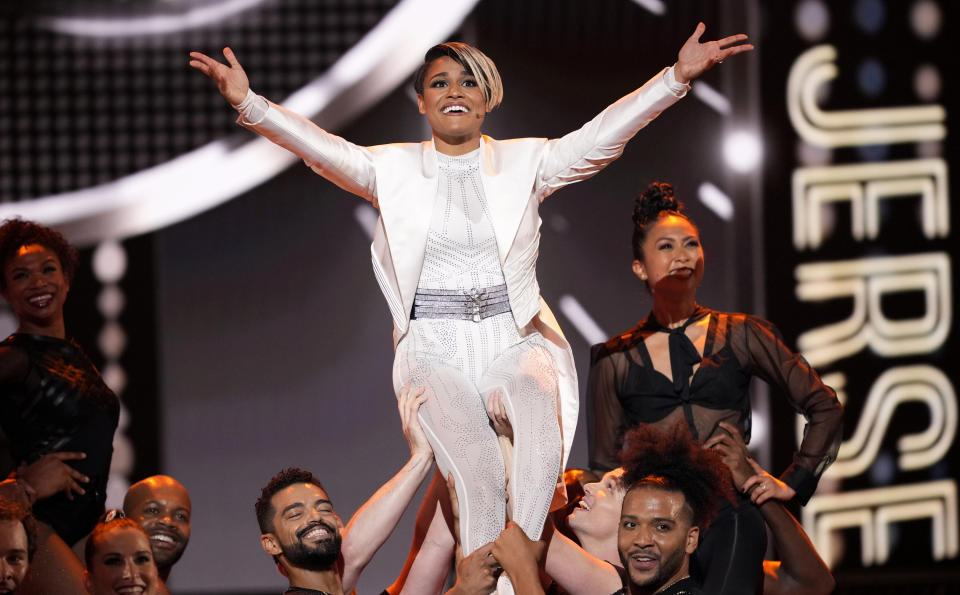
(401, 181)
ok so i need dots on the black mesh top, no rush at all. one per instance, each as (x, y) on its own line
(624, 389)
(52, 399)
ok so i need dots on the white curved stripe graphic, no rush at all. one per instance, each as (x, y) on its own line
(149, 24)
(214, 173)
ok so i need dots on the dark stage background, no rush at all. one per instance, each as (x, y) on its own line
(248, 334)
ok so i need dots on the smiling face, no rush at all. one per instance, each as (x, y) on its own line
(13, 555)
(161, 505)
(454, 104)
(36, 288)
(672, 257)
(306, 530)
(598, 513)
(122, 564)
(656, 536)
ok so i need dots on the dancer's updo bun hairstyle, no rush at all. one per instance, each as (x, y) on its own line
(648, 207)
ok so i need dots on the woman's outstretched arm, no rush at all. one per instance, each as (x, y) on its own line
(583, 152)
(345, 164)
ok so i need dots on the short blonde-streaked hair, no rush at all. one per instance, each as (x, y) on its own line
(473, 60)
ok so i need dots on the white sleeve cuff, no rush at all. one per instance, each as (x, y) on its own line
(253, 109)
(678, 89)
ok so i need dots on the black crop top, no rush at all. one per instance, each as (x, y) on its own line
(52, 399)
(624, 389)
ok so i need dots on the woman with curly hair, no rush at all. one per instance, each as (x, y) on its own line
(689, 364)
(455, 254)
(54, 406)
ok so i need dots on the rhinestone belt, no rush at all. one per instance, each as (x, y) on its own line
(473, 304)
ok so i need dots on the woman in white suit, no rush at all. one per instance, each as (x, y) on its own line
(455, 256)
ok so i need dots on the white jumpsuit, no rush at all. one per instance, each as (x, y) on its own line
(461, 362)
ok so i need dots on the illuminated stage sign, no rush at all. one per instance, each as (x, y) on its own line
(860, 277)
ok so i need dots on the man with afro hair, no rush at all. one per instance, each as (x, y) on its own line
(672, 489)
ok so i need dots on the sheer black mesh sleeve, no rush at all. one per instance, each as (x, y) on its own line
(760, 348)
(604, 411)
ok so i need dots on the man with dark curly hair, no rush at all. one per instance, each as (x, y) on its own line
(672, 489)
(301, 530)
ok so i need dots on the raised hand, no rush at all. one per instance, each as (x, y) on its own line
(765, 486)
(520, 558)
(50, 475)
(477, 573)
(497, 413)
(409, 404)
(695, 58)
(729, 444)
(231, 80)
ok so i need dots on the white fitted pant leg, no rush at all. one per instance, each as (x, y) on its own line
(526, 375)
(464, 444)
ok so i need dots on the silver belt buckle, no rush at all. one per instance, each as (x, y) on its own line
(475, 296)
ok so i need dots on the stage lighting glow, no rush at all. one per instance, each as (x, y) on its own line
(927, 82)
(109, 262)
(813, 155)
(8, 323)
(111, 302)
(812, 20)
(657, 7)
(930, 149)
(716, 200)
(112, 340)
(873, 153)
(870, 15)
(115, 377)
(581, 319)
(926, 19)
(759, 428)
(871, 77)
(742, 151)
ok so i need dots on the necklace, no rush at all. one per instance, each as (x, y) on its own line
(673, 582)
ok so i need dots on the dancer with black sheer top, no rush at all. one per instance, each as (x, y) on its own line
(685, 362)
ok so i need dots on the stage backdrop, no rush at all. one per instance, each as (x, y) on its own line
(858, 100)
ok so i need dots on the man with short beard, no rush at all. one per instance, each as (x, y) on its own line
(301, 530)
(161, 505)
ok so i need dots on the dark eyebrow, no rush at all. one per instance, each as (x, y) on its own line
(319, 501)
(463, 72)
(291, 507)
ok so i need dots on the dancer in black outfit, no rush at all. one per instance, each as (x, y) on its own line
(684, 362)
(54, 407)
